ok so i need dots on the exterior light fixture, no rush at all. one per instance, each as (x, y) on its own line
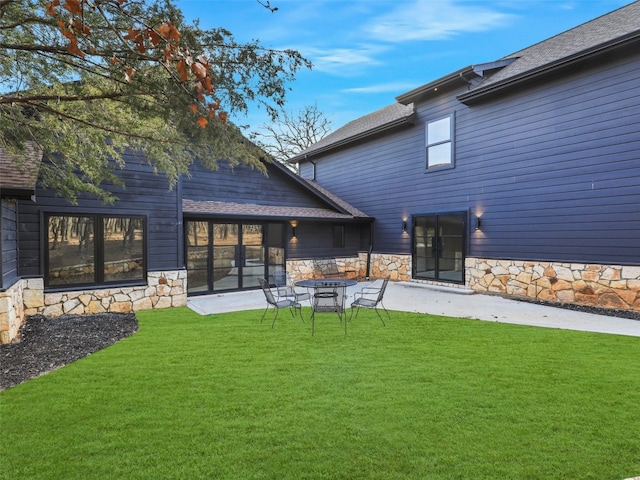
(294, 224)
(404, 226)
(478, 223)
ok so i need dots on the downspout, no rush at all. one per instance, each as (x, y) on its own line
(314, 168)
(1, 235)
(368, 274)
(180, 225)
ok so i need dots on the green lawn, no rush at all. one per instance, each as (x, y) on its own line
(227, 397)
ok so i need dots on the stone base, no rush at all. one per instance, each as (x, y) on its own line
(12, 311)
(397, 267)
(603, 286)
(27, 297)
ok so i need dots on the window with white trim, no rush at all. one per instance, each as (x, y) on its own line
(439, 142)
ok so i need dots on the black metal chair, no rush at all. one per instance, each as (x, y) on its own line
(370, 297)
(328, 297)
(285, 289)
(292, 305)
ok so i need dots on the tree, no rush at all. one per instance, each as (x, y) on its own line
(84, 80)
(289, 135)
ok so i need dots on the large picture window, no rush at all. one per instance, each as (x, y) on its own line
(94, 250)
(439, 142)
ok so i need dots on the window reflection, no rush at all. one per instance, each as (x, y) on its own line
(71, 250)
(94, 249)
(123, 248)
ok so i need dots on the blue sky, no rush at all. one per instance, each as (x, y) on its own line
(367, 52)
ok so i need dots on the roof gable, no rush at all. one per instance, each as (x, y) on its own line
(327, 205)
(386, 118)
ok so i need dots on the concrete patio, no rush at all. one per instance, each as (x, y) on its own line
(416, 297)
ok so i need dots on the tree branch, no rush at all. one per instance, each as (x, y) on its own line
(42, 106)
(60, 98)
(33, 48)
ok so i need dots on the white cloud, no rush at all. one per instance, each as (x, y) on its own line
(393, 87)
(343, 61)
(421, 20)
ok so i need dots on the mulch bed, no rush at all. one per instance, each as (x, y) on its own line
(48, 343)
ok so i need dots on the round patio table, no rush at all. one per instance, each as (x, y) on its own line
(329, 295)
(322, 282)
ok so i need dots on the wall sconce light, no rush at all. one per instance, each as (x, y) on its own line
(478, 223)
(404, 226)
(294, 224)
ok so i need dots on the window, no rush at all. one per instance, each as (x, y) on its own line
(94, 249)
(439, 143)
(338, 236)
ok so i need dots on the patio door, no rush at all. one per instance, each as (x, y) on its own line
(226, 256)
(438, 247)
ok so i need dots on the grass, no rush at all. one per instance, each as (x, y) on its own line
(226, 397)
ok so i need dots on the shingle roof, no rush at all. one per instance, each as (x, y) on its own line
(388, 117)
(583, 38)
(20, 174)
(266, 211)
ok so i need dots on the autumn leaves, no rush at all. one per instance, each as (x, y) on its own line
(158, 44)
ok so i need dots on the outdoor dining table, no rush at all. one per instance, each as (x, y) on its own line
(329, 295)
(313, 282)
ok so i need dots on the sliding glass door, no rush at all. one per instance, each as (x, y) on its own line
(438, 247)
(225, 256)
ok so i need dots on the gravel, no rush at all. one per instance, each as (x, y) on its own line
(46, 344)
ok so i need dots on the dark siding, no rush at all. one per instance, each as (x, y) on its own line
(315, 240)
(246, 185)
(9, 244)
(554, 170)
(145, 194)
(572, 188)
(243, 184)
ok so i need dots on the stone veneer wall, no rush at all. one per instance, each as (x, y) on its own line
(397, 267)
(11, 311)
(605, 286)
(27, 297)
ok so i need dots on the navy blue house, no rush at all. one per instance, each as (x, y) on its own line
(520, 176)
(215, 231)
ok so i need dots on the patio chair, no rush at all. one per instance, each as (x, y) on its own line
(285, 288)
(328, 297)
(292, 305)
(370, 297)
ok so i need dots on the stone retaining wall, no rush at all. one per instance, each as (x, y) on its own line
(397, 267)
(605, 286)
(27, 297)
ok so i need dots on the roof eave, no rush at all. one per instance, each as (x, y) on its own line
(452, 80)
(481, 93)
(407, 120)
(279, 218)
(17, 192)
